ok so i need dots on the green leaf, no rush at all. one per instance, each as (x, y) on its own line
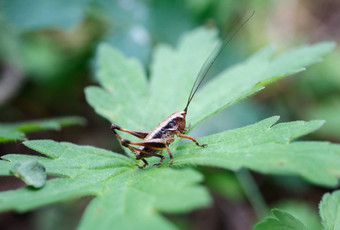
(31, 172)
(15, 131)
(127, 99)
(122, 191)
(330, 211)
(281, 220)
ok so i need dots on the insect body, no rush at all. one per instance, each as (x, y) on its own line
(164, 133)
(158, 139)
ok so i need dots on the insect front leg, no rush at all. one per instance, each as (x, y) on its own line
(139, 134)
(181, 135)
(170, 155)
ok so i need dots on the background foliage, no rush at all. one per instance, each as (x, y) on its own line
(47, 51)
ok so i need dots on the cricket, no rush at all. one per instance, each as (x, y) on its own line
(155, 141)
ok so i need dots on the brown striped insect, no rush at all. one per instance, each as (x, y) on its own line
(164, 133)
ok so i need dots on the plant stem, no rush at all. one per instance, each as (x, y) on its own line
(252, 192)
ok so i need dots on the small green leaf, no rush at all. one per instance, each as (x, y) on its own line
(31, 172)
(281, 220)
(15, 131)
(330, 211)
(304, 211)
(7, 135)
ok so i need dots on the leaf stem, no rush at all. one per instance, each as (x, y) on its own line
(252, 192)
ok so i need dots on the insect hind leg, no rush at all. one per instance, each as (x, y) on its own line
(139, 134)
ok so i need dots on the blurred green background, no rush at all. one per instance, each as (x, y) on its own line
(47, 50)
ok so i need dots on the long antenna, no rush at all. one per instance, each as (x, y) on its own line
(211, 60)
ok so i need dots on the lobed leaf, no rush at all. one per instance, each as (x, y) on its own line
(122, 191)
(137, 194)
(126, 101)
